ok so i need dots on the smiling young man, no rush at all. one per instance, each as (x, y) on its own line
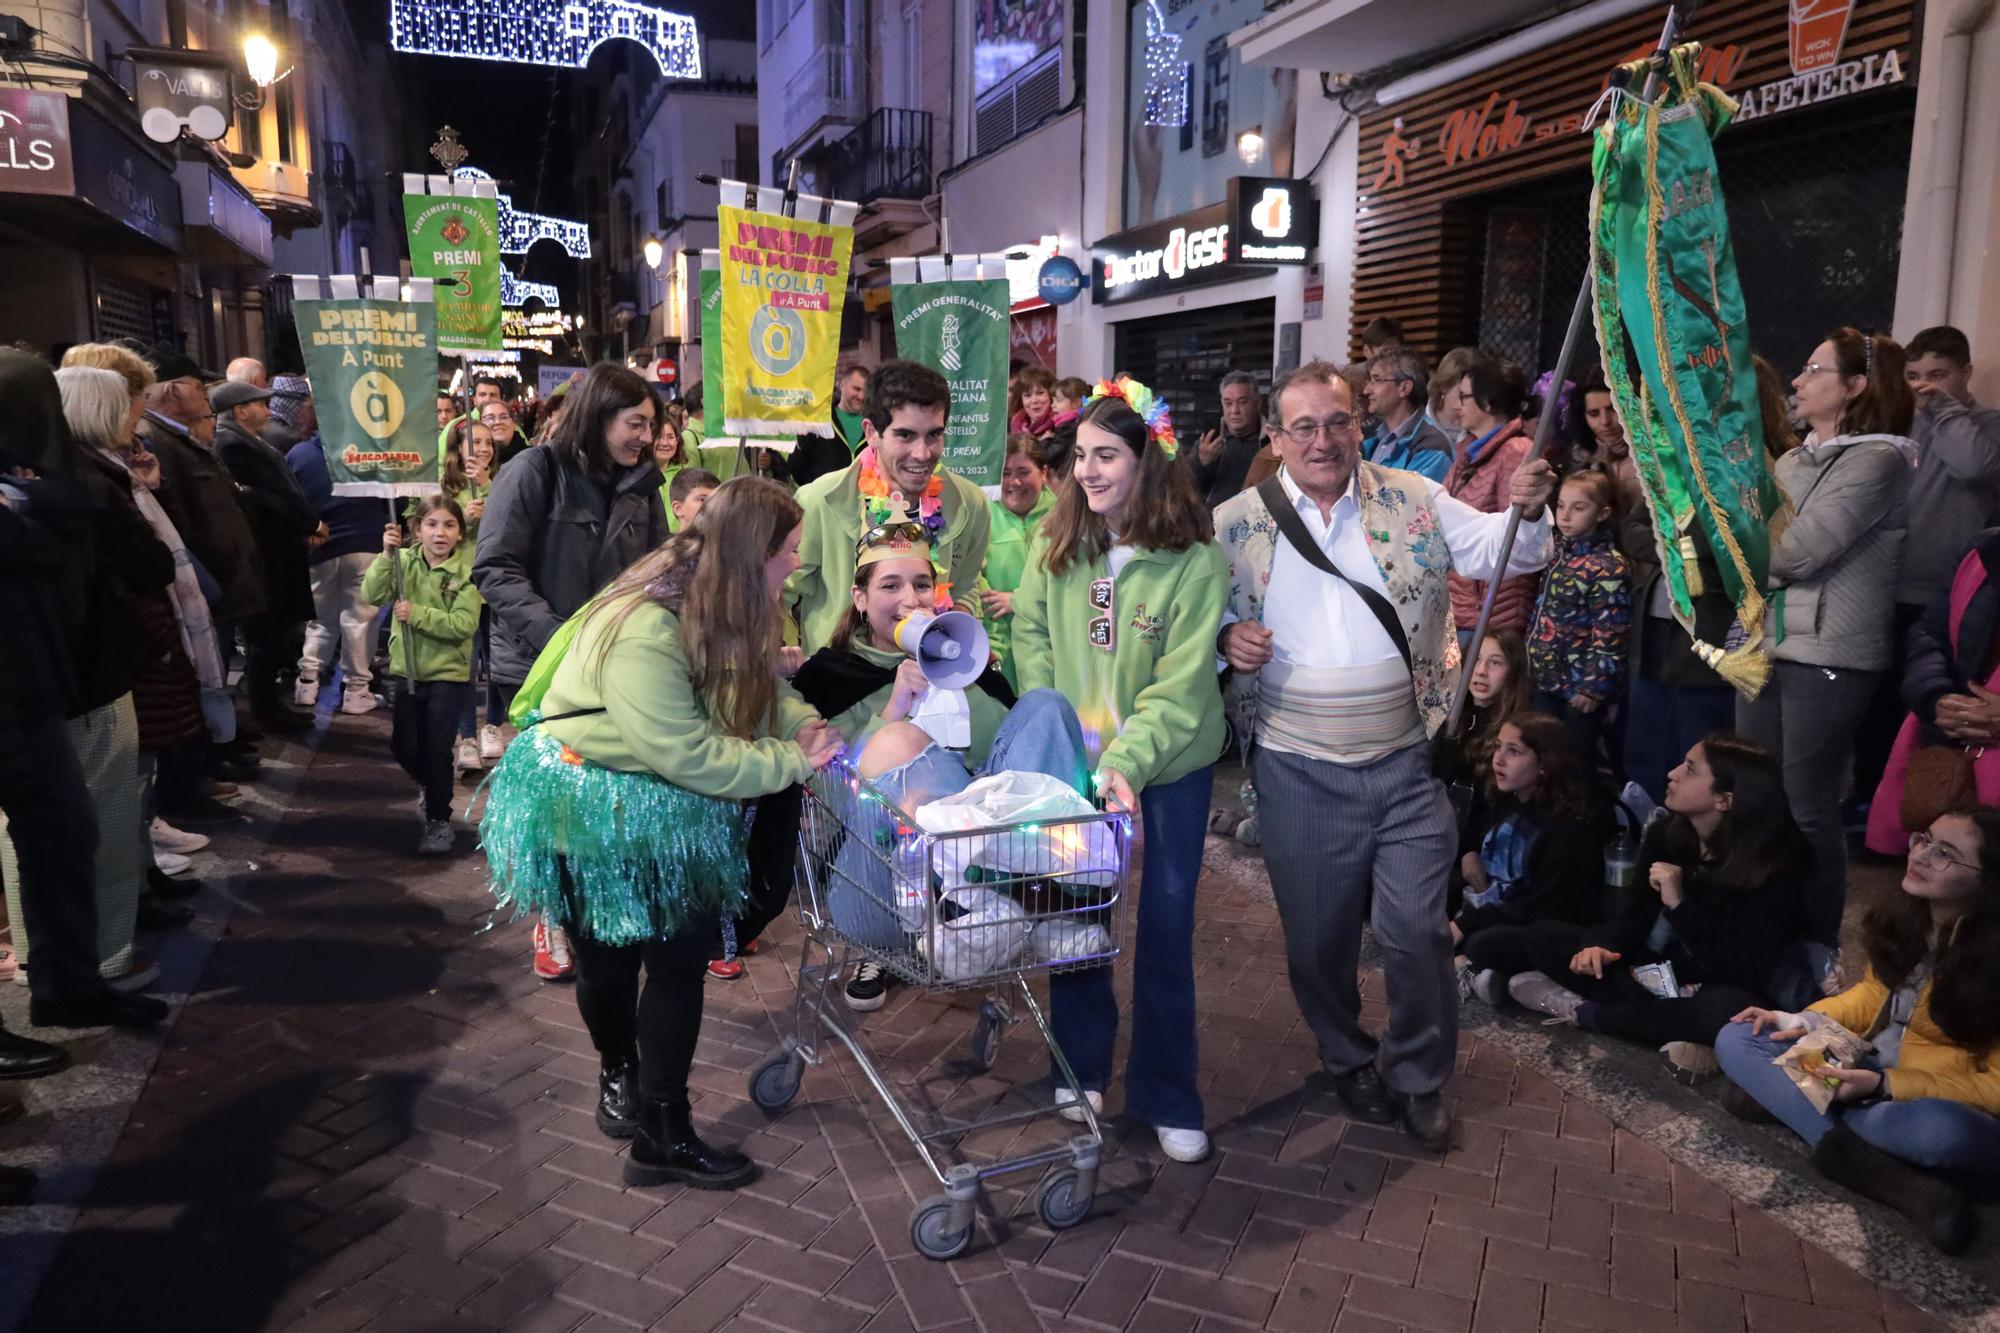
(1346, 682)
(903, 432)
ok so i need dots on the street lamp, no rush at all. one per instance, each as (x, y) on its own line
(1250, 146)
(260, 61)
(654, 250)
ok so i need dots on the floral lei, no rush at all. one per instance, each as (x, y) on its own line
(881, 504)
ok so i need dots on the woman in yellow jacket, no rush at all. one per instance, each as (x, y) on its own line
(1922, 1111)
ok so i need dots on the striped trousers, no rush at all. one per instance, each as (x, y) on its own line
(1372, 841)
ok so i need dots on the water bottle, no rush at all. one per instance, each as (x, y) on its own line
(1621, 874)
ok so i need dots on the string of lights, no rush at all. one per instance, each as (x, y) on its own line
(1167, 74)
(543, 32)
(520, 229)
(519, 291)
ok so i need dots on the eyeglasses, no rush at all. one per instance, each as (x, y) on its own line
(1377, 379)
(1103, 630)
(1924, 848)
(1815, 368)
(1305, 432)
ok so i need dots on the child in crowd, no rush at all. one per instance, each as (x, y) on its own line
(1497, 693)
(1541, 858)
(430, 650)
(1031, 403)
(1068, 398)
(1024, 502)
(1919, 1113)
(1729, 867)
(468, 471)
(1576, 642)
(468, 478)
(686, 494)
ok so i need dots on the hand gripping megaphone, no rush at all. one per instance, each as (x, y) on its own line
(951, 649)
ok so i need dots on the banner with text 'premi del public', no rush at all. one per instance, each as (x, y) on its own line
(784, 285)
(373, 364)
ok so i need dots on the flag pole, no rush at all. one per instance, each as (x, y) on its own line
(1565, 360)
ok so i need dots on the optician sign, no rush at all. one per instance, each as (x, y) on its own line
(34, 143)
(1274, 221)
(1187, 251)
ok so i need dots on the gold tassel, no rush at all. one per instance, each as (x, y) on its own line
(1747, 666)
(1691, 568)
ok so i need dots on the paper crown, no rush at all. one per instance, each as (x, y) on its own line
(1152, 409)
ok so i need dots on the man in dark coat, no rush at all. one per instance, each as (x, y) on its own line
(284, 523)
(198, 493)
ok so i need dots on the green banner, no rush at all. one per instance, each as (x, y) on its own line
(455, 239)
(374, 371)
(711, 354)
(1670, 319)
(960, 329)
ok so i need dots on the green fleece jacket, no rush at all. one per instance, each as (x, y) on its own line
(817, 591)
(1149, 703)
(1006, 558)
(654, 721)
(436, 644)
(863, 720)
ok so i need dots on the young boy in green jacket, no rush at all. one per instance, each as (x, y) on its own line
(430, 650)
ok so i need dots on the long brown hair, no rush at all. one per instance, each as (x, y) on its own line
(1965, 987)
(577, 437)
(1757, 846)
(1774, 407)
(1484, 737)
(711, 575)
(1164, 513)
(1886, 406)
(1564, 788)
(456, 480)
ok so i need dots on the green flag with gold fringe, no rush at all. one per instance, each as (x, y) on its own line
(1670, 318)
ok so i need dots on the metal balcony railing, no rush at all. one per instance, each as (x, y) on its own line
(888, 156)
(826, 87)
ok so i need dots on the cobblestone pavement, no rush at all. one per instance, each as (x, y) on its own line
(368, 1114)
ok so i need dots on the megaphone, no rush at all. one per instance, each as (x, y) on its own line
(951, 649)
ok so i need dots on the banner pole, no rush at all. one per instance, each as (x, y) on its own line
(1545, 427)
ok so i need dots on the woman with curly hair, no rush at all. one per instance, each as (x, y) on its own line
(1922, 1110)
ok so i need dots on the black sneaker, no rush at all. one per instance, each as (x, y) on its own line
(868, 987)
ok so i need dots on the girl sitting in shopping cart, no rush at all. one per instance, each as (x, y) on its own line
(913, 741)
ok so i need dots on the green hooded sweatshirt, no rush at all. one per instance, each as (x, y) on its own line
(818, 591)
(654, 720)
(1150, 703)
(1006, 558)
(436, 644)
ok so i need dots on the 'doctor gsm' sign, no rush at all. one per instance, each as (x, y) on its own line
(1186, 251)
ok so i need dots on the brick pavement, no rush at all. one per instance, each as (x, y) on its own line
(372, 1116)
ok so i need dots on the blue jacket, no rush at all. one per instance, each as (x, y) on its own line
(1419, 447)
(356, 524)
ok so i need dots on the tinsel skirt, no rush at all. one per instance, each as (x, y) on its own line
(618, 857)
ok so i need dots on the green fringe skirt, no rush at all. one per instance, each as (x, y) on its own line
(642, 856)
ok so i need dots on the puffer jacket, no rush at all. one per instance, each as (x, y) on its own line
(1483, 485)
(551, 537)
(1833, 571)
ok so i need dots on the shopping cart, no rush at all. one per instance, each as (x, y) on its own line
(984, 908)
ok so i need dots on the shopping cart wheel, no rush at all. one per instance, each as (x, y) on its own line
(1064, 1200)
(984, 1047)
(775, 1082)
(931, 1233)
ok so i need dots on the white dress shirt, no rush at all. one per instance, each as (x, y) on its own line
(1318, 621)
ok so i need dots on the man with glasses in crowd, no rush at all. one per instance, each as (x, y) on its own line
(1405, 438)
(509, 440)
(1345, 677)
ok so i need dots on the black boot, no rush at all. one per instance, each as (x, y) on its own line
(666, 1150)
(1937, 1207)
(617, 1097)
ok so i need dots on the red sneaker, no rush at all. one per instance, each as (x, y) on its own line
(552, 956)
(752, 948)
(730, 969)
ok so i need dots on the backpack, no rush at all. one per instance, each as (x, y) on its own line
(524, 711)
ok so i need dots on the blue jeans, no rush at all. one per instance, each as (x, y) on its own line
(1160, 1071)
(1041, 735)
(1927, 1131)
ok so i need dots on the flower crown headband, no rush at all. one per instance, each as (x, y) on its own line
(1152, 409)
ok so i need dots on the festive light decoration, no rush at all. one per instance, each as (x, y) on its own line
(520, 229)
(519, 291)
(1152, 409)
(543, 32)
(1167, 75)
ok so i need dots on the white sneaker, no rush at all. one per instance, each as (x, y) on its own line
(467, 756)
(491, 743)
(438, 838)
(305, 691)
(167, 838)
(1066, 1104)
(1184, 1145)
(1533, 990)
(357, 699)
(170, 863)
(143, 973)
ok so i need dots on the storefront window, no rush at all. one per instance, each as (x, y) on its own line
(1194, 115)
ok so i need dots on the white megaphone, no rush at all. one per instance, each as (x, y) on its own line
(951, 649)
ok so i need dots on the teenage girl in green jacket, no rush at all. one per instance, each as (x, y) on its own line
(1118, 610)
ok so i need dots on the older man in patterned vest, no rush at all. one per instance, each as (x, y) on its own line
(1347, 676)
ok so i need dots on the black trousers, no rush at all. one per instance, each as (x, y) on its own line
(659, 1022)
(1624, 1007)
(271, 647)
(54, 826)
(425, 728)
(774, 856)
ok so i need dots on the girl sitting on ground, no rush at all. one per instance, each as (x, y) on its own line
(1919, 1113)
(1728, 865)
(1542, 857)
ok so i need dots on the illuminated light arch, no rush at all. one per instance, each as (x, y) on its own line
(543, 32)
(520, 229)
(519, 291)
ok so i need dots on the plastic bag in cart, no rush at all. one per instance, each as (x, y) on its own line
(1065, 940)
(978, 932)
(1084, 854)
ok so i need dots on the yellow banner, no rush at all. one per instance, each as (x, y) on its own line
(784, 281)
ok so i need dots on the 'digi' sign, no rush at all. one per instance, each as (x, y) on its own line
(1060, 280)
